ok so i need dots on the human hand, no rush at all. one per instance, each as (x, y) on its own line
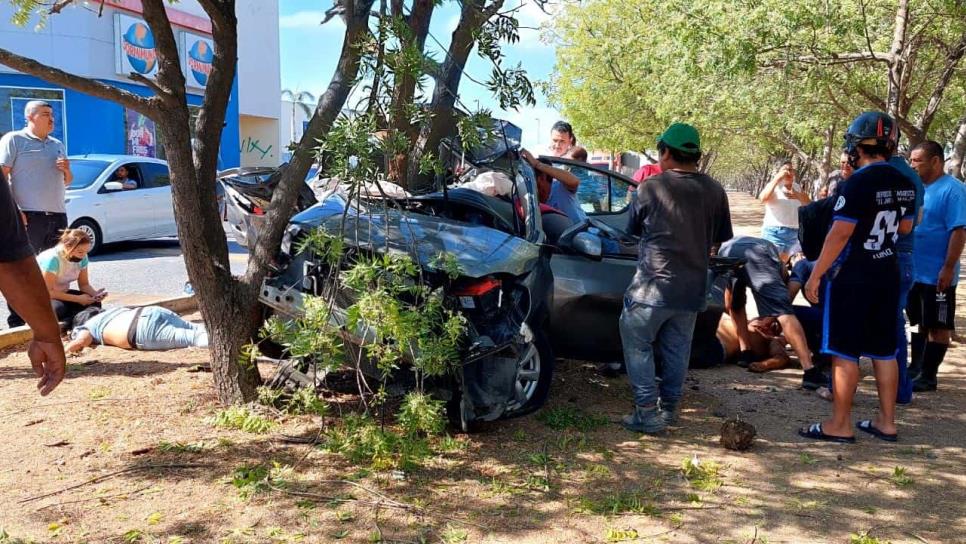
(23, 217)
(49, 364)
(527, 156)
(100, 295)
(63, 164)
(85, 299)
(945, 278)
(811, 289)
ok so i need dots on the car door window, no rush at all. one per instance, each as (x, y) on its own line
(134, 174)
(599, 192)
(155, 175)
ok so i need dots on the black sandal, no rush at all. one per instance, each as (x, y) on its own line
(866, 426)
(814, 432)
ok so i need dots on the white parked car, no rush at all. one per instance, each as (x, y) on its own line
(99, 205)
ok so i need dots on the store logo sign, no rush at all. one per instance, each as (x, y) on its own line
(200, 57)
(138, 45)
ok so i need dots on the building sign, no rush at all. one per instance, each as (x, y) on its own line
(17, 104)
(134, 46)
(198, 55)
(139, 134)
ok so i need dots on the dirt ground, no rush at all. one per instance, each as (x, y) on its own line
(125, 451)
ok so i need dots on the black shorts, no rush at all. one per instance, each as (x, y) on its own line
(929, 310)
(860, 320)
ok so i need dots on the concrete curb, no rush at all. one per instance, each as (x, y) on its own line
(20, 335)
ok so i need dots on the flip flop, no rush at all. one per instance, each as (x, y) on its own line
(866, 426)
(814, 432)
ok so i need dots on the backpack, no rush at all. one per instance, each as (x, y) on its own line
(814, 220)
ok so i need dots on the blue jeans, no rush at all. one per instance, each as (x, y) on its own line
(161, 329)
(907, 271)
(641, 326)
(784, 238)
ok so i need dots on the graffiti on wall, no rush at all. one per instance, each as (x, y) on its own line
(254, 147)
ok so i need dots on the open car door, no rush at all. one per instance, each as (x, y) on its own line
(589, 288)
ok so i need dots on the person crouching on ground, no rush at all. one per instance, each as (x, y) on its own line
(150, 328)
(764, 274)
(680, 215)
(861, 296)
(64, 264)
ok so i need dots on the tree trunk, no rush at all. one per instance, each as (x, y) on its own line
(957, 162)
(442, 107)
(898, 62)
(404, 88)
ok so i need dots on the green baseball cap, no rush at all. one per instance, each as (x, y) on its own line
(683, 137)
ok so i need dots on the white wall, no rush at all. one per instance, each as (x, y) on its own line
(75, 40)
(259, 66)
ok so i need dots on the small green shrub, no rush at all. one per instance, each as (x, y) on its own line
(703, 475)
(567, 417)
(420, 415)
(242, 418)
(622, 502)
(362, 441)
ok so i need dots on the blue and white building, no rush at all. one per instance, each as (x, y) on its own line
(109, 46)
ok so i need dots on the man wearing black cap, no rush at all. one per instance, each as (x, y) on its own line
(680, 215)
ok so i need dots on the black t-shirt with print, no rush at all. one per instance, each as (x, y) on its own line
(876, 198)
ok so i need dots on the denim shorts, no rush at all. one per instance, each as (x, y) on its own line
(785, 238)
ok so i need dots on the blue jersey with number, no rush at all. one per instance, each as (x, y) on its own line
(875, 198)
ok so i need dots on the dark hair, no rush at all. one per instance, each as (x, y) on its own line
(932, 149)
(85, 315)
(875, 150)
(563, 126)
(579, 154)
(678, 155)
(785, 162)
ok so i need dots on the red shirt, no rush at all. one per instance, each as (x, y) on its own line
(646, 171)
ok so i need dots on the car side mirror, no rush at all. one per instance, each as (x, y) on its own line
(588, 244)
(112, 186)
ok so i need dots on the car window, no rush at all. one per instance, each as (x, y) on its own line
(620, 193)
(599, 192)
(155, 175)
(85, 172)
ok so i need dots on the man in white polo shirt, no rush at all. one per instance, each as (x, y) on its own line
(36, 165)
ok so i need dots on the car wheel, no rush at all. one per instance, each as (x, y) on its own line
(90, 228)
(534, 374)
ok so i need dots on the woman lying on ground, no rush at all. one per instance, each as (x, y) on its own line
(64, 264)
(150, 328)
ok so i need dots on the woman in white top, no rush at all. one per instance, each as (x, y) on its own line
(64, 264)
(782, 198)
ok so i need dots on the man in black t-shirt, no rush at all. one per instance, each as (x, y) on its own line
(860, 262)
(24, 288)
(680, 215)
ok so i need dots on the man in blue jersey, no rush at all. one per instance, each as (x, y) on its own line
(859, 261)
(939, 244)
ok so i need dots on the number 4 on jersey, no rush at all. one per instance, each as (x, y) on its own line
(886, 224)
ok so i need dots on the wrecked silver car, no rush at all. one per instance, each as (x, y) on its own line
(504, 288)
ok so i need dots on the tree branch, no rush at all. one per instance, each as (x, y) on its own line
(932, 106)
(170, 78)
(147, 82)
(143, 105)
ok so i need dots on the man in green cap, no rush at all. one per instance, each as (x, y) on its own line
(680, 215)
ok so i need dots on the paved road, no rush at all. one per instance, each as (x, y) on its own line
(134, 272)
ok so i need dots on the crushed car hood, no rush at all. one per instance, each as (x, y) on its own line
(479, 250)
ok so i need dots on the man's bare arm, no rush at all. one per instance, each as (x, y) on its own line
(24, 288)
(953, 251)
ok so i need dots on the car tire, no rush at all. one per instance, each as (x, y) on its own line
(90, 227)
(266, 346)
(545, 363)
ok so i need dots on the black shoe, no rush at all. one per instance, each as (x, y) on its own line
(922, 385)
(813, 378)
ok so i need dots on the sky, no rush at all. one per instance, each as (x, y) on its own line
(309, 52)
